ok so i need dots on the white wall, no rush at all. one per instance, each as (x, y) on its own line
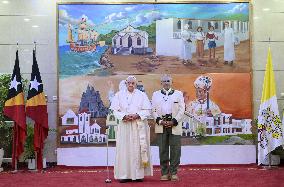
(266, 23)
(13, 29)
(165, 44)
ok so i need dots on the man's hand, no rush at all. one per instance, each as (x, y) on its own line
(163, 123)
(167, 124)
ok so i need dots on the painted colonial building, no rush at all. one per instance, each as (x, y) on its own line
(220, 125)
(130, 41)
(70, 118)
(168, 31)
(82, 131)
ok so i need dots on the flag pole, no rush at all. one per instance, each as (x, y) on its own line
(35, 45)
(269, 154)
(36, 157)
(15, 150)
(108, 180)
(15, 147)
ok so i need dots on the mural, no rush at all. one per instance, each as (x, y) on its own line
(99, 45)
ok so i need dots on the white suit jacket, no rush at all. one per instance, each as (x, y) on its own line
(178, 108)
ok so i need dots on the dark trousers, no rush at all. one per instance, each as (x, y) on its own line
(167, 141)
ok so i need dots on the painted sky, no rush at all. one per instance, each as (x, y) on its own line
(105, 18)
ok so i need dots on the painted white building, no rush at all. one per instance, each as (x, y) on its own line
(220, 125)
(168, 33)
(82, 131)
(130, 41)
(69, 118)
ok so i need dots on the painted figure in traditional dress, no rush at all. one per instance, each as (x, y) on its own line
(168, 111)
(186, 45)
(200, 40)
(211, 36)
(132, 107)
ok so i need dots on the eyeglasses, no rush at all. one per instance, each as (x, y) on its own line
(131, 83)
(166, 81)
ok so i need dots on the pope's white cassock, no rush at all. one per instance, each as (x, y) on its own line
(133, 160)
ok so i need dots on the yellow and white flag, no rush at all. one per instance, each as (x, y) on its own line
(269, 124)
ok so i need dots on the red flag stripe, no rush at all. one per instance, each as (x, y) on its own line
(16, 113)
(38, 114)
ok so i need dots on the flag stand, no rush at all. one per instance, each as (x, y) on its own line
(16, 167)
(35, 170)
(269, 167)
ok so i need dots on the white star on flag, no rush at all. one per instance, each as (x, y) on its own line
(35, 84)
(14, 83)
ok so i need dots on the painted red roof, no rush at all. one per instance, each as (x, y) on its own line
(86, 110)
(69, 134)
(72, 127)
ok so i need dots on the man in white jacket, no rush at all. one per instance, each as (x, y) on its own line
(132, 107)
(168, 110)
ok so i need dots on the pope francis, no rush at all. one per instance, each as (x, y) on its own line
(132, 107)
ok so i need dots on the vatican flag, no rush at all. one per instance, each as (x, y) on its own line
(269, 124)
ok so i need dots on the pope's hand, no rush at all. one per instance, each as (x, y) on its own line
(126, 118)
(131, 117)
(134, 116)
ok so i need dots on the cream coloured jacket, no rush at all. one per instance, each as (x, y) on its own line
(177, 108)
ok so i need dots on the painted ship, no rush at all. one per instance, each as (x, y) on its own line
(86, 40)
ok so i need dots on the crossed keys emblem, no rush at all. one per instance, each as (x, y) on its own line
(269, 125)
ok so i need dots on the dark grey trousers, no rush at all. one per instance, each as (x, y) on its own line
(167, 141)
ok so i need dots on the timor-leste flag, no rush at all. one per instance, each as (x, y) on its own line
(14, 108)
(36, 109)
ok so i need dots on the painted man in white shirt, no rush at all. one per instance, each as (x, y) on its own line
(132, 107)
(168, 110)
(229, 45)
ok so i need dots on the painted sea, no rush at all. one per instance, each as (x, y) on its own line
(74, 63)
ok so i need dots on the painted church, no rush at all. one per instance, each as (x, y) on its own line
(130, 41)
(80, 130)
(92, 103)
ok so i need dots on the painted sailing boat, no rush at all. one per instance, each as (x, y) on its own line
(87, 38)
